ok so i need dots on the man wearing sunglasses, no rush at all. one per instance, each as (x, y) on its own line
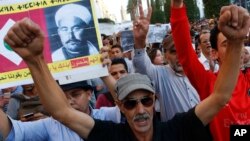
(135, 92)
(175, 92)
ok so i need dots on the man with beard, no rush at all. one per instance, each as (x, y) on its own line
(173, 89)
(135, 92)
(72, 21)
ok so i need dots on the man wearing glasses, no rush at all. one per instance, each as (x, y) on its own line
(72, 21)
(135, 91)
(206, 52)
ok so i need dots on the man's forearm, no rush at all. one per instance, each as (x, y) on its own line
(229, 70)
(110, 83)
(177, 3)
(49, 91)
(224, 85)
(5, 125)
(140, 43)
(55, 102)
(142, 64)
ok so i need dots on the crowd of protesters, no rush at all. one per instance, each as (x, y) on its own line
(191, 86)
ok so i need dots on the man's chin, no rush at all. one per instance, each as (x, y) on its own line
(179, 69)
(73, 48)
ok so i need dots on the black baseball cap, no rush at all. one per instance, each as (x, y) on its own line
(81, 84)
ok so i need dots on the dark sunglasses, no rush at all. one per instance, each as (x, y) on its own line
(130, 104)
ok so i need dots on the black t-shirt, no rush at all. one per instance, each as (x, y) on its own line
(183, 127)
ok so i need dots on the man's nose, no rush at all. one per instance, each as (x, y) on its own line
(140, 108)
(116, 54)
(71, 34)
(208, 43)
(118, 76)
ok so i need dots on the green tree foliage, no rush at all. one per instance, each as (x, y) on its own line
(212, 7)
(192, 10)
(152, 3)
(131, 8)
(105, 20)
(158, 14)
(158, 17)
(167, 6)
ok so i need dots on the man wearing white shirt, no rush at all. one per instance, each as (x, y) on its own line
(206, 52)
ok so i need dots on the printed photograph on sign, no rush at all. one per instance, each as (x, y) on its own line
(72, 31)
(157, 32)
(127, 40)
(72, 39)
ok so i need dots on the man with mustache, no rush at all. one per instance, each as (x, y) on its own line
(175, 92)
(72, 21)
(135, 92)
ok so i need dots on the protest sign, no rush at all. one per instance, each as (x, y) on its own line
(72, 40)
(157, 33)
(127, 40)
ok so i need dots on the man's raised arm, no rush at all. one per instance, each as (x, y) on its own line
(5, 125)
(140, 28)
(234, 23)
(27, 40)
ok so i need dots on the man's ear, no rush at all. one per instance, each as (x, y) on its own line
(214, 54)
(119, 104)
(166, 54)
(89, 93)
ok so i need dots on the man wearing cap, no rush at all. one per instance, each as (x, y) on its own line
(174, 90)
(49, 129)
(136, 94)
(72, 21)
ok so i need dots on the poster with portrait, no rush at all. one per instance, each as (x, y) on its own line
(157, 32)
(72, 39)
(127, 40)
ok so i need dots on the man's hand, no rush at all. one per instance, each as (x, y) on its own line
(34, 117)
(2, 102)
(140, 27)
(177, 3)
(234, 22)
(105, 57)
(26, 39)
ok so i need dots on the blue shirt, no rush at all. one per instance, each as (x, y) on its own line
(50, 129)
(174, 91)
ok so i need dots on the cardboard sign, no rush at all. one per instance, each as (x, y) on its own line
(72, 40)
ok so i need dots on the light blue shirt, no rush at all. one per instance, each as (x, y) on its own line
(50, 129)
(174, 91)
(18, 90)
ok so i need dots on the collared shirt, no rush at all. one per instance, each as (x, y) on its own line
(174, 91)
(50, 129)
(205, 62)
(129, 65)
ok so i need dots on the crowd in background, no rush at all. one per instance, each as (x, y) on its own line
(175, 91)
